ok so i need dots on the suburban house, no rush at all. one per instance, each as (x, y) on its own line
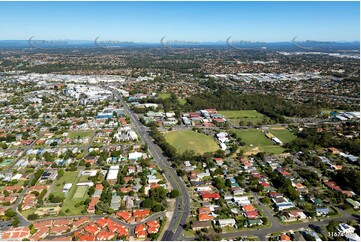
(230, 222)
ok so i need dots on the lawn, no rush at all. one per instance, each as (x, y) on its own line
(241, 114)
(252, 136)
(68, 177)
(27, 212)
(71, 200)
(283, 134)
(258, 140)
(246, 116)
(191, 140)
(80, 192)
(167, 95)
(81, 134)
(164, 95)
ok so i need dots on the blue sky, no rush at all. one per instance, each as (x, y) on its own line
(189, 21)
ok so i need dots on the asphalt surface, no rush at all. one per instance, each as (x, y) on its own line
(182, 204)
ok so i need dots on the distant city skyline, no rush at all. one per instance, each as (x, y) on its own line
(181, 21)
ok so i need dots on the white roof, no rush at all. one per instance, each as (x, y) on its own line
(67, 186)
(226, 221)
(135, 155)
(16, 177)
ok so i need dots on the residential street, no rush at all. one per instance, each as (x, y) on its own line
(182, 206)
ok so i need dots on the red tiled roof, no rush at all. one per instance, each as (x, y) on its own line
(204, 210)
(139, 227)
(37, 188)
(62, 222)
(125, 189)
(102, 222)
(127, 216)
(29, 201)
(141, 213)
(265, 184)
(87, 237)
(153, 230)
(140, 230)
(12, 188)
(60, 229)
(205, 217)
(99, 186)
(91, 229)
(285, 237)
(46, 223)
(153, 223)
(104, 235)
(248, 208)
(16, 233)
(209, 195)
(252, 214)
(122, 231)
(80, 221)
(40, 234)
(93, 202)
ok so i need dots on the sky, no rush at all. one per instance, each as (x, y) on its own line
(186, 21)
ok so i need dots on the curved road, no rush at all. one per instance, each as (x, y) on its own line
(182, 205)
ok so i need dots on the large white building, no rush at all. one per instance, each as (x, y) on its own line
(112, 175)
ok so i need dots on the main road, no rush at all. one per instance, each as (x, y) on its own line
(182, 205)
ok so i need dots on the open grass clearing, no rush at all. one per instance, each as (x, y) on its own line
(256, 142)
(167, 95)
(80, 192)
(241, 114)
(80, 134)
(191, 140)
(284, 135)
(70, 201)
(68, 177)
(246, 116)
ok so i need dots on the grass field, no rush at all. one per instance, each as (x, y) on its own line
(241, 114)
(80, 192)
(164, 95)
(71, 200)
(167, 95)
(283, 134)
(190, 140)
(258, 141)
(82, 134)
(235, 116)
(27, 212)
(68, 177)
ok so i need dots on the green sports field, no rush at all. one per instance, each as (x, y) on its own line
(256, 141)
(235, 116)
(80, 191)
(191, 140)
(283, 134)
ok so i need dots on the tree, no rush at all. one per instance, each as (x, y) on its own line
(91, 190)
(32, 216)
(60, 173)
(10, 213)
(147, 203)
(158, 194)
(16, 222)
(174, 193)
(157, 208)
